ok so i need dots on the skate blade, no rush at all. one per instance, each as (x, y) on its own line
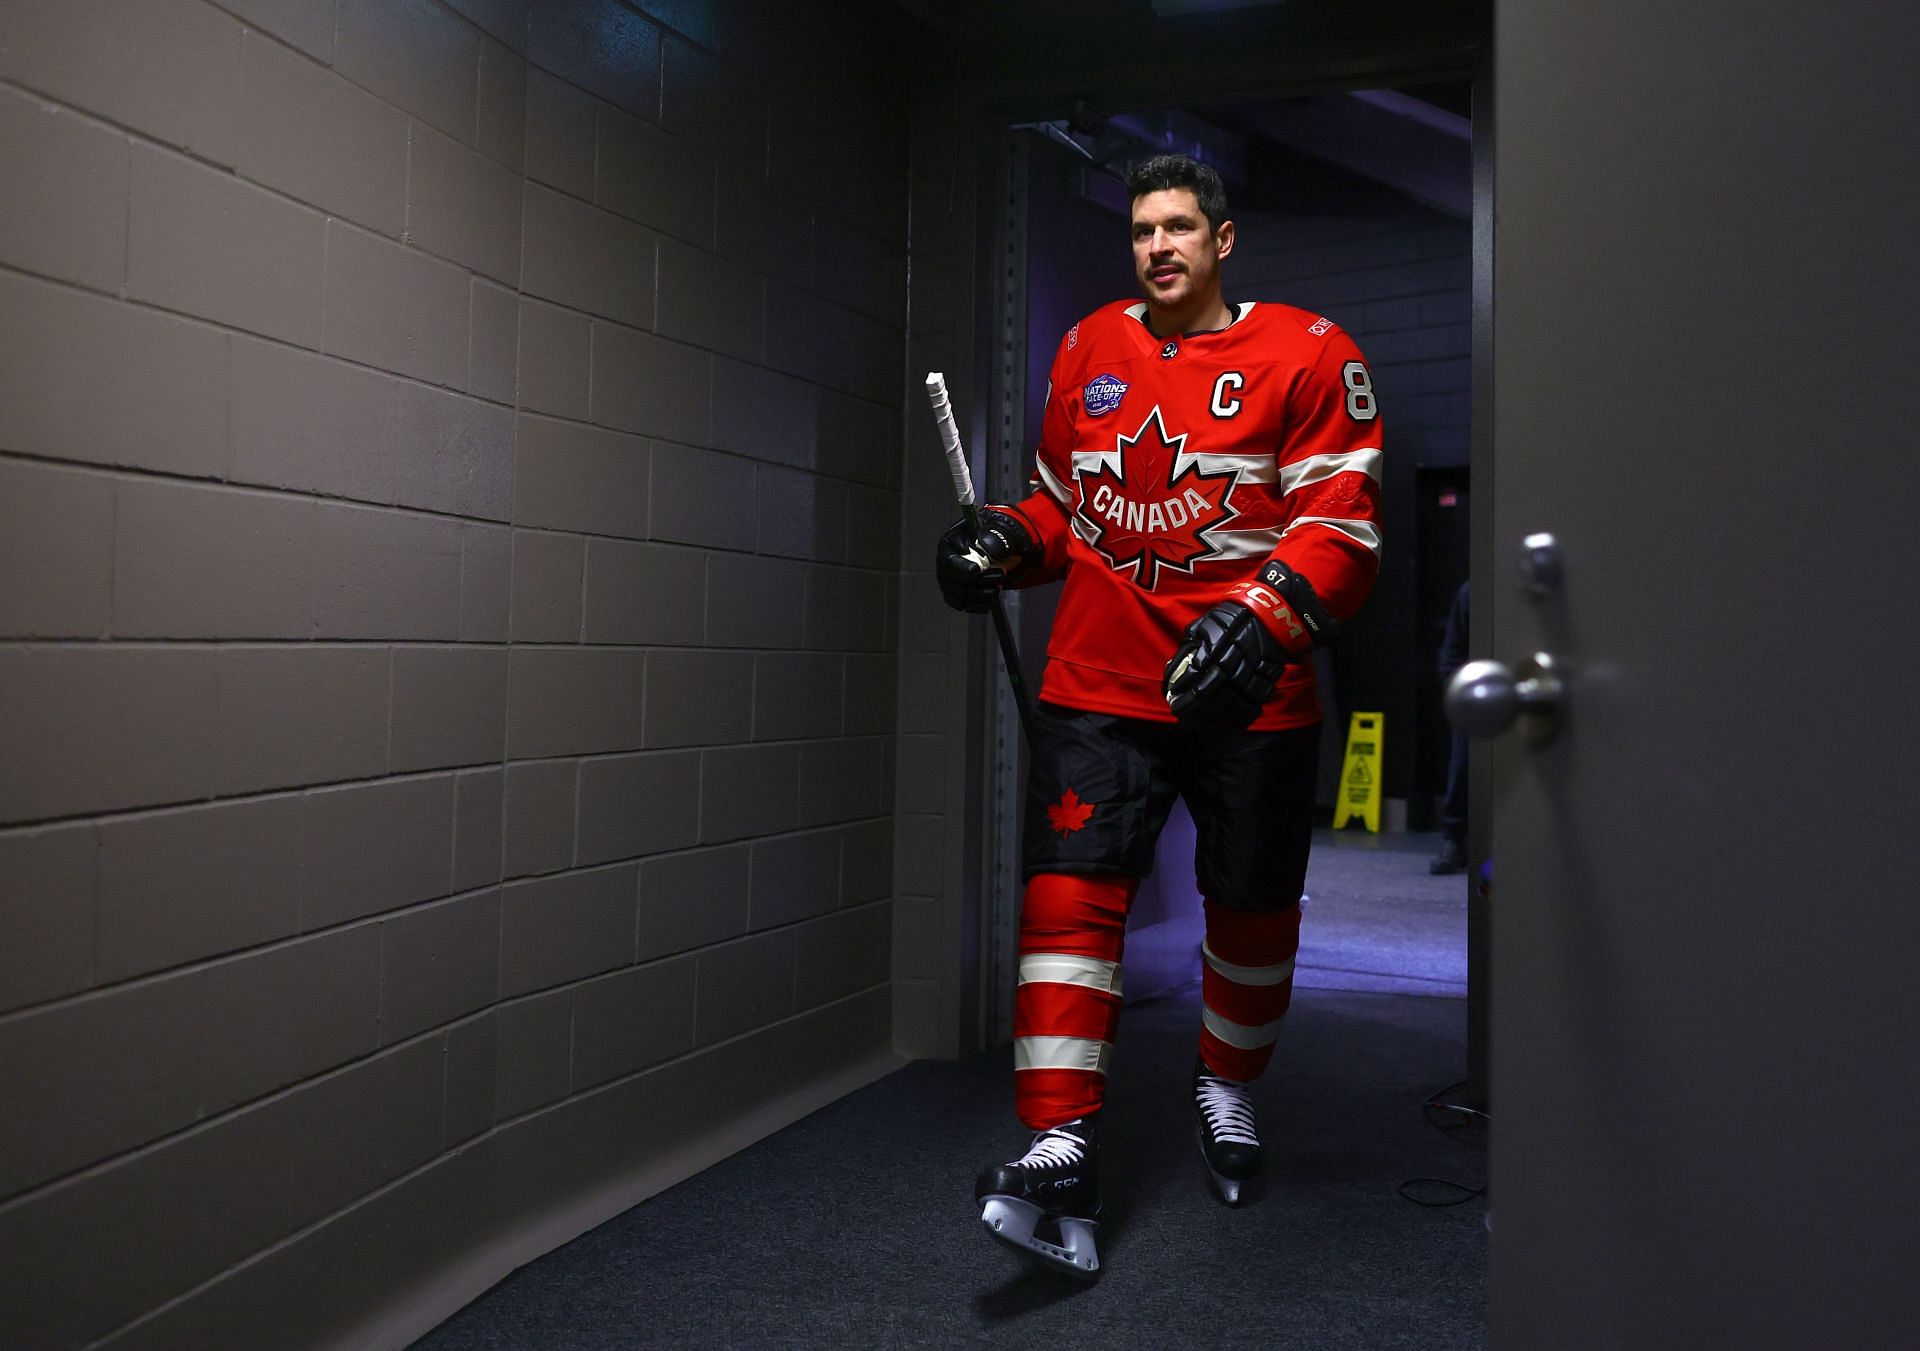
(1228, 1189)
(1013, 1223)
(1232, 1190)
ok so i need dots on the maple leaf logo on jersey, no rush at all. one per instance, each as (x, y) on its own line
(1069, 813)
(1156, 512)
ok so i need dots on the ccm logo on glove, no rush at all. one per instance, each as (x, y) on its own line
(1273, 611)
(1287, 608)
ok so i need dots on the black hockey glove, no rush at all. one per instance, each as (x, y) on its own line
(1224, 671)
(973, 564)
(1233, 654)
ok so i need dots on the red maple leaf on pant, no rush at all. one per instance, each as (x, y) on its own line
(1069, 813)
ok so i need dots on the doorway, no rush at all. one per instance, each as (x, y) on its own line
(1381, 242)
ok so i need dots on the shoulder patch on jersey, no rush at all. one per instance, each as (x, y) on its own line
(1073, 337)
(1320, 326)
(1103, 394)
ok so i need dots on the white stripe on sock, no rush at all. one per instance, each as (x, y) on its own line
(1061, 1053)
(1063, 968)
(1249, 975)
(1245, 1038)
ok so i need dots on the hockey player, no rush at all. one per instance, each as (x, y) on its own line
(1207, 487)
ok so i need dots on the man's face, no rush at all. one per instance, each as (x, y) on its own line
(1176, 254)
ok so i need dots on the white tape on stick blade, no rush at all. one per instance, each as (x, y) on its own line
(950, 438)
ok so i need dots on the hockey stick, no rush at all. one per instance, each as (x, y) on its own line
(963, 489)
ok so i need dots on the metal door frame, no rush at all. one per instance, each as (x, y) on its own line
(1000, 870)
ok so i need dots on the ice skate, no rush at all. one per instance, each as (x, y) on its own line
(1053, 1188)
(1228, 1142)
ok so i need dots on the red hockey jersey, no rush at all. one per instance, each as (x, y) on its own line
(1170, 469)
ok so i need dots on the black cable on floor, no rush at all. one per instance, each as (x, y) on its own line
(1461, 1118)
(1463, 1115)
(1466, 1193)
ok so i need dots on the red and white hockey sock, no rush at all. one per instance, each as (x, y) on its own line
(1246, 985)
(1067, 1007)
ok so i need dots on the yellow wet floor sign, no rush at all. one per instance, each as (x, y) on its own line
(1360, 772)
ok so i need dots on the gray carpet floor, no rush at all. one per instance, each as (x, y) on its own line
(856, 1226)
(1376, 919)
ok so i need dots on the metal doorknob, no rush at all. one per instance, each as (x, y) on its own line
(1484, 699)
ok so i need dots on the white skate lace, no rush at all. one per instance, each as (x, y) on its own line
(1228, 1110)
(1050, 1150)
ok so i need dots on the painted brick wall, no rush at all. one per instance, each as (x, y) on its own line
(450, 471)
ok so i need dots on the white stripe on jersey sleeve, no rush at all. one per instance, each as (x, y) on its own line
(1053, 485)
(1243, 543)
(1362, 532)
(1092, 461)
(1259, 467)
(1317, 468)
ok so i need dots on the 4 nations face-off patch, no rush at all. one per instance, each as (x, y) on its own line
(1103, 394)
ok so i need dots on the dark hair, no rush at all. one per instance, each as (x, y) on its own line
(1177, 171)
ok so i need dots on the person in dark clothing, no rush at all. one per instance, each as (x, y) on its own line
(1452, 857)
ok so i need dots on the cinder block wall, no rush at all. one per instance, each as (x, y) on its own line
(450, 470)
(1396, 276)
(936, 908)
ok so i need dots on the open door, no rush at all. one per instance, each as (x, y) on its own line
(1706, 911)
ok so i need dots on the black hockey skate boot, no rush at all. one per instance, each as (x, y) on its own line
(1055, 1185)
(1228, 1141)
